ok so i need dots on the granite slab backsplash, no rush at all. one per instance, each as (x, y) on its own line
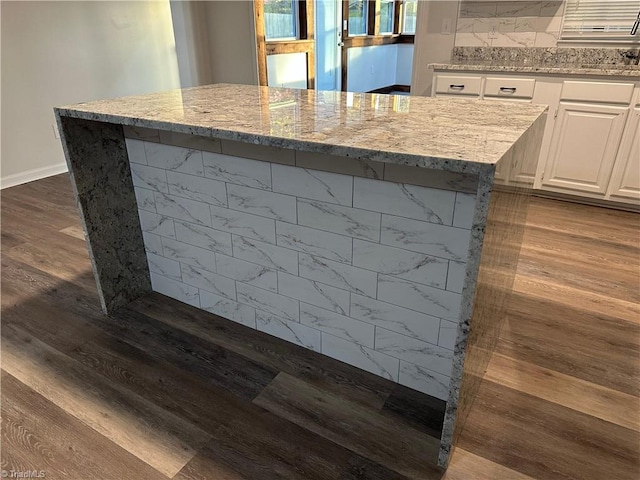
(550, 57)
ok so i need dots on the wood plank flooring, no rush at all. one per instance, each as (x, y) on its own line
(164, 391)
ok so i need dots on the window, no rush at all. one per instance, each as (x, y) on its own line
(410, 15)
(358, 12)
(386, 16)
(600, 19)
(280, 19)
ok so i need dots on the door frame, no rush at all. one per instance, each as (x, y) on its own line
(305, 43)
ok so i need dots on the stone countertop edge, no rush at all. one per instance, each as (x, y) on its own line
(611, 71)
(473, 156)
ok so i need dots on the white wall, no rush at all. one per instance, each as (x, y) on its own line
(57, 53)
(232, 41)
(370, 68)
(431, 45)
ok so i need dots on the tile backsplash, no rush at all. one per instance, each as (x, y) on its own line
(509, 24)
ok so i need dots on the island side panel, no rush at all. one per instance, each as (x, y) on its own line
(501, 207)
(97, 159)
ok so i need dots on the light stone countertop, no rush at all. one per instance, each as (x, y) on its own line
(460, 135)
(590, 70)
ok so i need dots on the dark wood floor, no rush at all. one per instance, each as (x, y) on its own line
(163, 391)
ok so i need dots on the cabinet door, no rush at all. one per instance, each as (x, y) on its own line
(625, 181)
(584, 146)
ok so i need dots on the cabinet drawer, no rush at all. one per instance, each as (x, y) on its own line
(509, 87)
(458, 85)
(597, 92)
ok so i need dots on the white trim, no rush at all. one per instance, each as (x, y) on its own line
(31, 175)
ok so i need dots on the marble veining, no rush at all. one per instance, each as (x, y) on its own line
(450, 134)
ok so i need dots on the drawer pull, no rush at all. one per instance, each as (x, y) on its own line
(509, 90)
(458, 87)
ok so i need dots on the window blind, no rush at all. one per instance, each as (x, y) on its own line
(600, 18)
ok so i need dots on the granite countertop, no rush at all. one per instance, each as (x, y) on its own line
(444, 133)
(583, 69)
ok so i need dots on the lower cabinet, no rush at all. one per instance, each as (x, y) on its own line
(591, 145)
(584, 147)
(625, 181)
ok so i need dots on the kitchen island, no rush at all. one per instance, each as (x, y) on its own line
(369, 228)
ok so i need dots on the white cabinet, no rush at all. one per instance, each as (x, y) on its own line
(591, 144)
(584, 145)
(625, 181)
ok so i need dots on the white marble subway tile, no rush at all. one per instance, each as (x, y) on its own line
(236, 170)
(337, 219)
(141, 133)
(263, 203)
(135, 151)
(145, 199)
(183, 209)
(244, 224)
(422, 203)
(313, 184)
(464, 39)
(229, 309)
(338, 275)
(547, 39)
(429, 300)
(174, 289)
(265, 254)
(463, 215)
(413, 266)
(266, 153)
(519, 8)
(201, 189)
(431, 178)
(360, 356)
(204, 237)
(552, 8)
(157, 224)
(209, 281)
(151, 178)
(164, 266)
(293, 332)
(317, 294)
(338, 325)
(336, 164)
(448, 334)
(174, 158)
(270, 302)
(514, 39)
(186, 140)
(474, 8)
(246, 272)
(178, 159)
(414, 351)
(455, 276)
(439, 240)
(189, 254)
(424, 380)
(314, 242)
(465, 25)
(395, 318)
(152, 243)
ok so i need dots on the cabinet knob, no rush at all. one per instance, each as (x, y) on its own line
(458, 87)
(509, 90)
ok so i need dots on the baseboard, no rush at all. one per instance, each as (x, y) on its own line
(32, 175)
